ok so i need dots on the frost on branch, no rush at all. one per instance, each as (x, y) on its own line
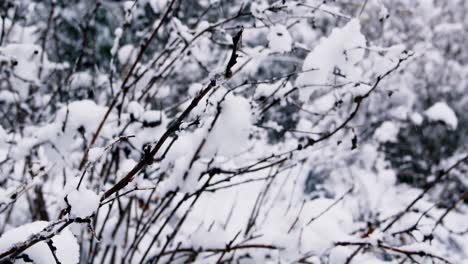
(63, 247)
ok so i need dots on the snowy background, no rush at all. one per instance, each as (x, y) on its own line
(232, 131)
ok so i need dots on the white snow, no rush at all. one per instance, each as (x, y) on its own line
(151, 116)
(268, 89)
(339, 51)
(279, 39)
(80, 80)
(420, 247)
(136, 109)
(83, 202)
(387, 132)
(27, 58)
(85, 113)
(182, 29)
(442, 112)
(163, 91)
(264, 90)
(387, 61)
(448, 28)
(118, 34)
(129, 7)
(416, 118)
(158, 5)
(127, 54)
(322, 104)
(7, 97)
(5, 195)
(194, 89)
(230, 133)
(95, 153)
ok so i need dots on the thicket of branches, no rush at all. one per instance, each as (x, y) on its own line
(174, 131)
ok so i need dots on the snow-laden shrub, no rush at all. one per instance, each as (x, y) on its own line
(232, 131)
